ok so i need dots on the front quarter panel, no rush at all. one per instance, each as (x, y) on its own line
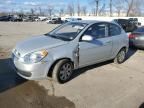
(64, 51)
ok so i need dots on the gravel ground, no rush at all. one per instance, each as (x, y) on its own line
(105, 85)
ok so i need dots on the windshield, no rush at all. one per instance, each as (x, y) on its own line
(68, 31)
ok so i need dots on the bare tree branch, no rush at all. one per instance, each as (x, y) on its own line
(78, 8)
(130, 6)
(97, 7)
(70, 9)
(61, 12)
(84, 10)
(50, 10)
(41, 13)
(110, 8)
(119, 6)
(102, 10)
(32, 11)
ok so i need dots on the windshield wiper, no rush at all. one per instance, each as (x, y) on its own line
(54, 36)
(58, 37)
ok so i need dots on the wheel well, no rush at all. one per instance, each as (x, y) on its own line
(52, 66)
(123, 48)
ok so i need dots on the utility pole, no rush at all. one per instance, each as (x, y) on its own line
(97, 3)
(110, 8)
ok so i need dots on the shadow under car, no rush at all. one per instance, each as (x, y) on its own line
(8, 77)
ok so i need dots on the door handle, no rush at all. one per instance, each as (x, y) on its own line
(108, 42)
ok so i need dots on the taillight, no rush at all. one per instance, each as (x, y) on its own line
(132, 36)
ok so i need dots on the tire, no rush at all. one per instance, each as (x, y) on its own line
(62, 71)
(120, 57)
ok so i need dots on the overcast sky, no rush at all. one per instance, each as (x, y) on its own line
(26, 5)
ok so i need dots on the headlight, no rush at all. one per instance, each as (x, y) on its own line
(35, 56)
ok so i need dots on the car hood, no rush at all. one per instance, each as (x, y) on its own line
(38, 43)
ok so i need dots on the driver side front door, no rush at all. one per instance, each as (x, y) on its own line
(99, 49)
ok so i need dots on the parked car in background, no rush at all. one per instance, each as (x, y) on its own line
(29, 18)
(127, 25)
(13, 18)
(72, 19)
(55, 21)
(48, 20)
(135, 21)
(6, 18)
(70, 46)
(41, 18)
(136, 38)
(16, 19)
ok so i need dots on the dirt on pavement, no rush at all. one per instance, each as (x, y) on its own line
(31, 95)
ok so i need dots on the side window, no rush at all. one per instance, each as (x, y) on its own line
(114, 30)
(98, 30)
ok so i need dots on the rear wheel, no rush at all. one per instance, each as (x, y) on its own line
(62, 71)
(120, 58)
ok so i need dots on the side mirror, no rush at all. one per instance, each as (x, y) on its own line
(87, 38)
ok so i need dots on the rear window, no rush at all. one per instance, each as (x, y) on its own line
(114, 30)
(122, 21)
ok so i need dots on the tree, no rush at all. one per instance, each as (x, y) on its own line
(41, 13)
(70, 9)
(93, 11)
(119, 6)
(102, 10)
(78, 8)
(111, 8)
(50, 10)
(138, 7)
(97, 7)
(21, 11)
(12, 11)
(134, 7)
(130, 4)
(32, 11)
(84, 10)
(61, 12)
(3, 13)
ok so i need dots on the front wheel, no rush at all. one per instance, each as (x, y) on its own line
(62, 71)
(120, 58)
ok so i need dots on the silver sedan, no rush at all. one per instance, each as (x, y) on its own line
(70, 46)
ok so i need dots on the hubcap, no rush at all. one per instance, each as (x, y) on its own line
(65, 71)
(121, 56)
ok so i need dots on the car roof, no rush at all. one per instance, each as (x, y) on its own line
(93, 21)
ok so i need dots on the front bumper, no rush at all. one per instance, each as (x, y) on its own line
(31, 71)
